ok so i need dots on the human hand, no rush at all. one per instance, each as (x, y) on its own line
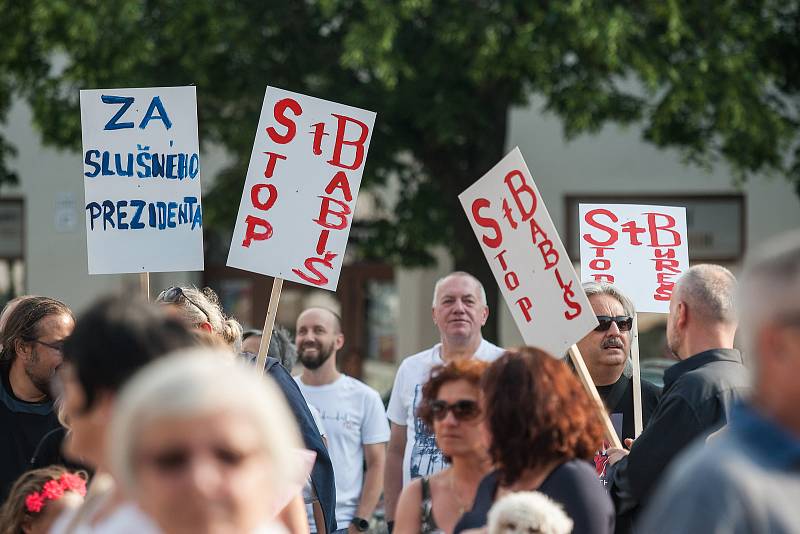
(615, 455)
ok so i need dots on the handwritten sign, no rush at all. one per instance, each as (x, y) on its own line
(141, 168)
(527, 257)
(642, 250)
(301, 188)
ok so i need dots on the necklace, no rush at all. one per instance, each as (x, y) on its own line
(456, 496)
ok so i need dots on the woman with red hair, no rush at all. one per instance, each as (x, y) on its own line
(544, 431)
(451, 409)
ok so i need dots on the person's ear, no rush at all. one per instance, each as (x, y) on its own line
(683, 314)
(339, 343)
(22, 348)
(206, 327)
(484, 315)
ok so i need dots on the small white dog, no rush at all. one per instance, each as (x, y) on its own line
(528, 512)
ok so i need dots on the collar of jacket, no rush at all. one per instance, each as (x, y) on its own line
(771, 442)
(698, 360)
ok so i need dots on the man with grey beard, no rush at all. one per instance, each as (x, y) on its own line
(606, 351)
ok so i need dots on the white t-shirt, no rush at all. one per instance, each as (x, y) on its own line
(126, 519)
(353, 416)
(422, 457)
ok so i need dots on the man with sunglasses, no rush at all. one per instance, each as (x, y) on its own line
(459, 311)
(606, 351)
(699, 390)
(32, 341)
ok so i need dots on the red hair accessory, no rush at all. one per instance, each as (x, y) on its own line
(53, 490)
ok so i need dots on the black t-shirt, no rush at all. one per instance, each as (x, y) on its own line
(23, 425)
(574, 485)
(618, 398)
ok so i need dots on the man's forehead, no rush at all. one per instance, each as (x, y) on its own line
(602, 300)
(316, 316)
(458, 286)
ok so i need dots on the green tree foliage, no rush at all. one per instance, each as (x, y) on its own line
(716, 79)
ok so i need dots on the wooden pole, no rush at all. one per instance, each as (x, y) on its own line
(586, 379)
(637, 380)
(144, 284)
(269, 322)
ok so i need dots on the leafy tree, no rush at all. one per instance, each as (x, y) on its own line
(718, 80)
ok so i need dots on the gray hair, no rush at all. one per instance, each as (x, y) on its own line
(195, 383)
(442, 280)
(604, 288)
(709, 290)
(203, 306)
(770, 283)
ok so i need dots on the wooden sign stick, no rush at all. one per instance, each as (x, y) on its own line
(586, 379)
(637, 380)
(144, 284)
(269, 322)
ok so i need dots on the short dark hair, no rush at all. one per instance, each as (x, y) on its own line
(23, 322)
(116, 337)
(538, 412)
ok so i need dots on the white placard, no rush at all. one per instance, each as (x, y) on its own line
(642, 250)
(301, 188)
(527, 257)
(142, 180)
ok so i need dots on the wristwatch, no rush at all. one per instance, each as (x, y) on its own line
(361, 524)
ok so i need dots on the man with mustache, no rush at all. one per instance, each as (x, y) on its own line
(32, 340)
(606, 351)
(352, 413)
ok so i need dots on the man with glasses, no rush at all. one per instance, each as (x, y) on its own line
(606, 351)
(699, 390)
(747, 479)
(32, 342)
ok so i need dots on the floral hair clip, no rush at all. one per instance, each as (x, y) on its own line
(53, 490)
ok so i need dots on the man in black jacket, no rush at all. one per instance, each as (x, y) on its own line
(698, 391)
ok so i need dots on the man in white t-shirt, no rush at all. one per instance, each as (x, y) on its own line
(353, 416)
(459, 312)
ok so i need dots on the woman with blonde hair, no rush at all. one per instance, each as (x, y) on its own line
(200, 308)
(204, 444)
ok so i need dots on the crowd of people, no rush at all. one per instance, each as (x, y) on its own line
(140, 417)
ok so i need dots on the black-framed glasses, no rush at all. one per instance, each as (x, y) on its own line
(174, 294)
(624, 323)
(463, 410)
(58, 345)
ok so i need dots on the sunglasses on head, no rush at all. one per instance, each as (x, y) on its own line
(624, 323)
(463, 410)
(175, 294)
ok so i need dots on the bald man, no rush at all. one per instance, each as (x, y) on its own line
(353, 415)
(699, 390)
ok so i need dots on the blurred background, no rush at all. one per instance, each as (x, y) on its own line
(689, 103)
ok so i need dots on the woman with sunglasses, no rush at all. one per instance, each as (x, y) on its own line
(450, 407)
(201, 309)
(544, 431)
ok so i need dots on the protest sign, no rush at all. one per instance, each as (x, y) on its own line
(642, 250)
(527, 257)
(141, 168)
(301, 187)
(300, 193)
(531, 266)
